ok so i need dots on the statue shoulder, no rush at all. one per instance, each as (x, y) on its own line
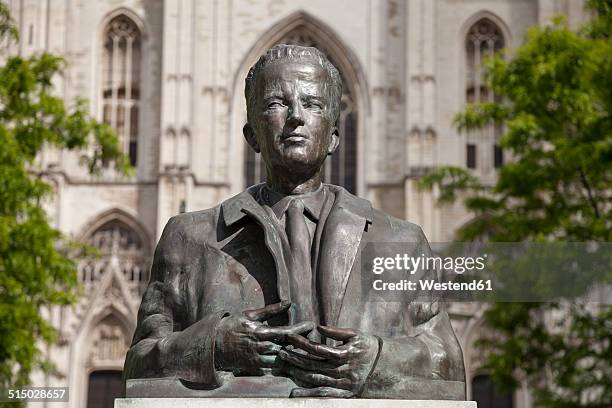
(397, 229)
(204, 226)
(191, 226)
(384, 227)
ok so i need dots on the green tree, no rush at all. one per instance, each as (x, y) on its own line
(36, 269)
(555, 106)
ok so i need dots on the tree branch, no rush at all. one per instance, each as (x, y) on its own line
(587, 186)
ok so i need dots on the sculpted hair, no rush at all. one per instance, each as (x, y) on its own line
(295, 53)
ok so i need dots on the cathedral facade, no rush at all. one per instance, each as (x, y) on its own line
(168, 75)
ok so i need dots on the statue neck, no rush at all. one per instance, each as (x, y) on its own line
(293, 186)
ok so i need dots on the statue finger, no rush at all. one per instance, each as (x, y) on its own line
(316, 379)
(267, 348)
(281, 333)
(337, 333)
(317, 366)
(337, 354)
(267, 312)
(321, 392)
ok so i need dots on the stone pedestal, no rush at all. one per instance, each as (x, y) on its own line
(271, 387)
(270, 392)
(284, 403)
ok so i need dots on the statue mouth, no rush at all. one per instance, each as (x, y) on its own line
(294, 137)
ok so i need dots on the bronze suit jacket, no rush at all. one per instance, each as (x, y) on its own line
(226, 259)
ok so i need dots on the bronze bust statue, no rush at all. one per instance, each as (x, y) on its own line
(267, 286)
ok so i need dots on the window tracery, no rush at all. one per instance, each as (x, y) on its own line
(120, 248)
(484, 39)
(121, 61)
(110, 343)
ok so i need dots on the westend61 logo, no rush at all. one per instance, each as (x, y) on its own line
(406, 265)
(487, 271)
(394, 269)
(412, 264)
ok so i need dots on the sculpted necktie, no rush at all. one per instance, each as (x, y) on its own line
(300, 271)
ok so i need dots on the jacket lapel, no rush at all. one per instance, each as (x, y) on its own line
(244, 204)
(340, 241)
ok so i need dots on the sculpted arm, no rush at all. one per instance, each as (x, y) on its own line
(162, 347)
(425, 356)
(430, 357)
(170, 342)
(424, 365)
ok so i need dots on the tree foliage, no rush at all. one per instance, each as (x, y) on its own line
(36, 269)
(555, 105)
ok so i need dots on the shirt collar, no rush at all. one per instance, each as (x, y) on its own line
(236, 207)
(313, 201)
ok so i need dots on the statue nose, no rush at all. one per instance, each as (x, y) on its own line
(295, 118)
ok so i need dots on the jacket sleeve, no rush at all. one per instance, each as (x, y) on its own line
(165, 344)
(424, 360)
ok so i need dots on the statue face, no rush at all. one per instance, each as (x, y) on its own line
(292, 129)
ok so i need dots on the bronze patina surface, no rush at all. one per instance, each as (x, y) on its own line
(269, 282)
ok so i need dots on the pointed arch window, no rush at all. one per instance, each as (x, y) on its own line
(121, 62)
(484, 40)
(110, 343)
(104, 387)
(121, 248)
(341, 167)
(486, 394)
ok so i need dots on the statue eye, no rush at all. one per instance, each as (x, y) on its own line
(316, 106)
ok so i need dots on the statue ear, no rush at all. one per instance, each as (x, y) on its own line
(249, 136)
(334, 142)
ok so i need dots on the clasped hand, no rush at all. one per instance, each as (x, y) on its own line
(328, 371)
(245, 345)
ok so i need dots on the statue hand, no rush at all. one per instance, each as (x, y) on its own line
(328, 371)
(245, 345)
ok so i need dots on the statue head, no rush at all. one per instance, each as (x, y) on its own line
(293, 102)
